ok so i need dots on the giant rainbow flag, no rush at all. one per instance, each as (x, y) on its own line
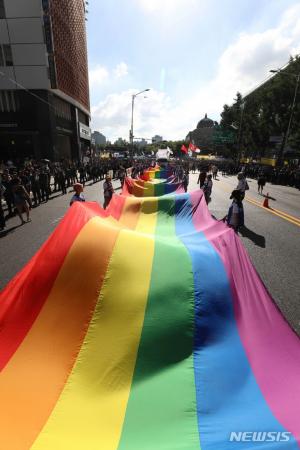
(157, 173)
(154, 188)
(145, 327)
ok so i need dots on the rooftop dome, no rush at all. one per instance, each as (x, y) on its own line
(206, 123)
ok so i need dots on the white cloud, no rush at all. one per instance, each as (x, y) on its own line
(241, 67)
(247, 62)
(98, 76)
(113, 115)
(167, 6)
(121, 70)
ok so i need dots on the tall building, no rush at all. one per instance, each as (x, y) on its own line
(98, 138)
(44, 89)
(156, 139)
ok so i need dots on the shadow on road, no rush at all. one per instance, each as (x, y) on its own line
(269, 197)
(9, 230)
(258, 240)
(52, 197)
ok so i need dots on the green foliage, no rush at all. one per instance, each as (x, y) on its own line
(264, 113)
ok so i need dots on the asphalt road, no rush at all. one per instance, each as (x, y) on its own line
(272, 237)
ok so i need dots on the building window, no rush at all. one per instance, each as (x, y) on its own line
(9, 101)
(8, 59)
(45, 4)
(48, 33)
(62, 109)
(2, 9)
(83, 118)
(52, 71)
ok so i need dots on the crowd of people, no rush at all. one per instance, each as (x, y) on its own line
(284, 176)
(32, 183)
(35, 182)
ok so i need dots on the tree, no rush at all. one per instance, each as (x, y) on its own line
(266, 112)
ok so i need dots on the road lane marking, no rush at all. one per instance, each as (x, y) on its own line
(270, 210)
(287, 215)
(289, 218)
(57, 220)
(278, 211)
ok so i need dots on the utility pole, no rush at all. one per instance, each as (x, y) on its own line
(240, 131)
(131, 135)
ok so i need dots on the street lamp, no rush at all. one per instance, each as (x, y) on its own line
(243, 104)
(132, 111)
(286, 136)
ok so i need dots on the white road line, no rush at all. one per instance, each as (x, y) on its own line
(56, 220)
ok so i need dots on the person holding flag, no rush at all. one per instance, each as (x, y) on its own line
(108, 191)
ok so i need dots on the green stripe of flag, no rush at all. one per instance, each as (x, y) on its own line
(161, 412)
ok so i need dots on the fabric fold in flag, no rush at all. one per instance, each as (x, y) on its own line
(154, 188)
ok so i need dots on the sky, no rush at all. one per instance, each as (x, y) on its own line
(193, 55)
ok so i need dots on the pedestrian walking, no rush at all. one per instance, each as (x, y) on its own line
(82, 175)
(61, 176)
(44, 181)
(35, 187)
(2, 218)
(207, 188)
(8, 193)
(122, 174)
(108, 191)
(261, 182)
(215, 172)
(202, 177)
(185, 181)
(21, 200)
(242, 184)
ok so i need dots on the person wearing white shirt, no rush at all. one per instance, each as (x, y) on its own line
(242, 184)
